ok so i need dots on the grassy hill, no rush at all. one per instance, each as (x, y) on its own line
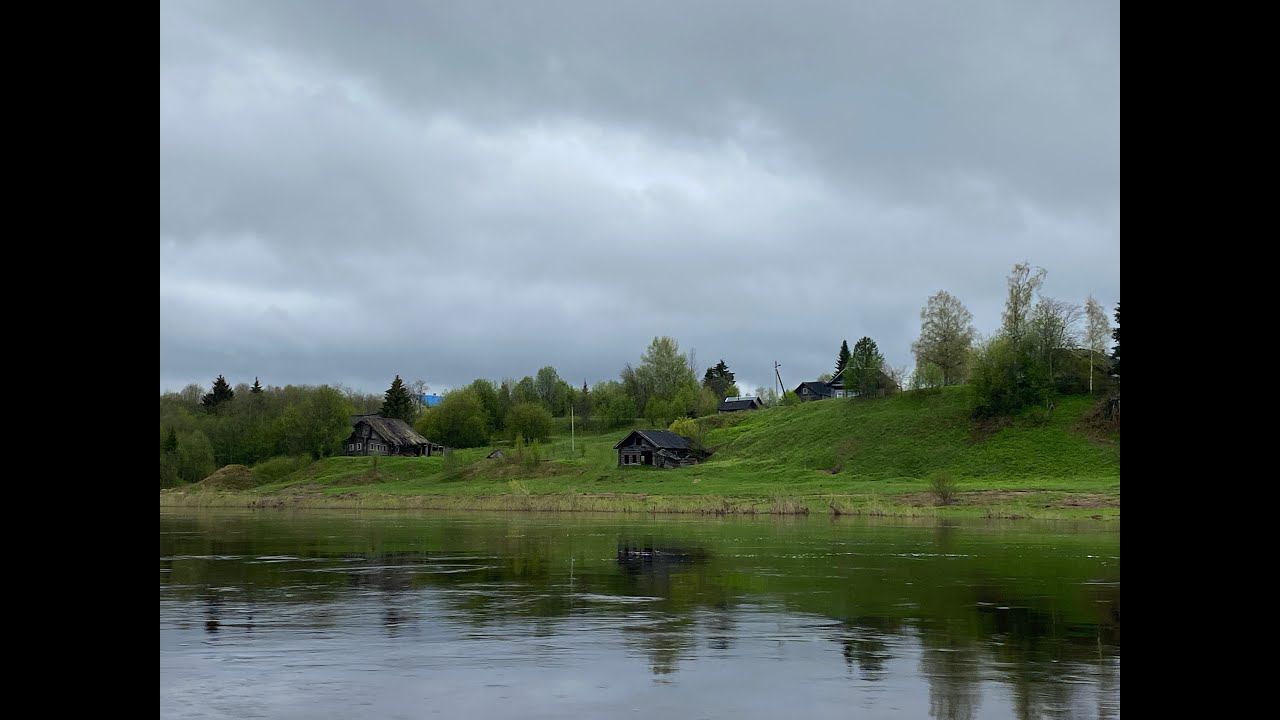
(834, 456)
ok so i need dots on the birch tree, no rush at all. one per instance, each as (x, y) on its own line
(946, 336)
(1024, 283)
(1097, 329)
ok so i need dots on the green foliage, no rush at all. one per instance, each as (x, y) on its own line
(493, 408)
(221, 393)
(397, 403)
(864, 374)
(528, 420)
(926, 376)
(1009, 375)
(275, 469)
(170, 444)
(194, 459)
(552, 391)
(661, 413)
(789, 399)
(614, 406)
(689, 428)
(719, 379)
(842, 359)
(257, 388)
(318, 425)
(459, 421)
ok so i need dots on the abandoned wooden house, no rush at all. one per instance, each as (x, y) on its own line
(660, 448)
(376, 435)
(738, 404)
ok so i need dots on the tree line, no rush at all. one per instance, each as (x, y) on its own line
(1044, 347)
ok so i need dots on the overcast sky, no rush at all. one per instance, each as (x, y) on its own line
(452, 190)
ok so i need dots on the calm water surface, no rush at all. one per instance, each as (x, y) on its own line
(406, 615)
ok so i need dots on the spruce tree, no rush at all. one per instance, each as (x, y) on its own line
(256, 389)
(221, 393)
(398, 404)
(719, 378)
(864, 367)
(842, 360)
(170, 442)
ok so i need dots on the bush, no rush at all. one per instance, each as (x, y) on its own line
(530, 420)
(691, 429)
(789, 398)
(943, 487)
(1008, 376)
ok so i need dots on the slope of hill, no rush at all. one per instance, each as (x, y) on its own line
(839, 456)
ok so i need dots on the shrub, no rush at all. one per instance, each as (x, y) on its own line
(691, 429)
(531, 420)
(943, 487)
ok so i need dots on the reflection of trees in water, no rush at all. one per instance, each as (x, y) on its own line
(951, 663)
(663, 640)
(721, 627)
(864, 642)
(503, 577)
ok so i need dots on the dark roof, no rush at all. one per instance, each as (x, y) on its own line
(660, 438)
(393, 430)
(816, 388)
(744, 404)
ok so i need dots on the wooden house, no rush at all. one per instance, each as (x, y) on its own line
(660, 448)
(739, 404)
(376, 435)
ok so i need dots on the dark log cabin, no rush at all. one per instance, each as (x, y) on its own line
(376, 435)
(729, 405)
(660, 448)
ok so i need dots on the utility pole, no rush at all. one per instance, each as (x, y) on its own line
(778, 375)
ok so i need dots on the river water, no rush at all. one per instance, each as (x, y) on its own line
(331, 614)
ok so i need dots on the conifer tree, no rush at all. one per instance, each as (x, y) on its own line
(842, 360)
(719, 378)
(864, 368)
(397, 403)
(221, 393)
(170, 442)
(257, 388)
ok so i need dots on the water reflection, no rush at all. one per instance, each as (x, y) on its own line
(986, 620)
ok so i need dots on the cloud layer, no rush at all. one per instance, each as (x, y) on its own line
(452, 191)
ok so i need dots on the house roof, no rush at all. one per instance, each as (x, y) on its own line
(393, 430)
(743, 404)
(817, 388)
(664, 439)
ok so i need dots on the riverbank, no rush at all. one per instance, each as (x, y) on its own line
(874, 458)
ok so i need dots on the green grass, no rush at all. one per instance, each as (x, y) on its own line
(870, 457)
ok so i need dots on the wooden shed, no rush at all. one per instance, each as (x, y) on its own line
(660, 448)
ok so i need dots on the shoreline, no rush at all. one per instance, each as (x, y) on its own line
(1008, 505)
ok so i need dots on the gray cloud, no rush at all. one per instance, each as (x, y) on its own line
(450, 191)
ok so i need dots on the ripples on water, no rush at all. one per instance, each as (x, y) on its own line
(329, 615)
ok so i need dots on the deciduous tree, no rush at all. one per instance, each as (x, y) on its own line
(946, 336)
